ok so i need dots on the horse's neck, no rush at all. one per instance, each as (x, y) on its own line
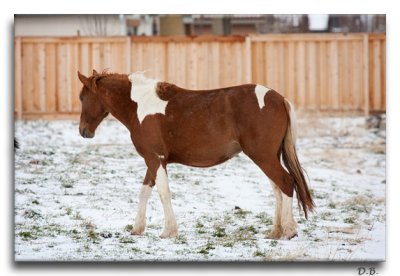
(121, 107)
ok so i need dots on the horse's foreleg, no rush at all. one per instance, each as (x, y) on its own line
(140, 220)
(171, 227)
(144, 195)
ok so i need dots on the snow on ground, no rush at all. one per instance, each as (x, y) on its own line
(75, 198)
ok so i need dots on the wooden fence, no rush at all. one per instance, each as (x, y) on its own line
(335, 72)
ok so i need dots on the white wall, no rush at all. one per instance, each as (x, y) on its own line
(68, 25)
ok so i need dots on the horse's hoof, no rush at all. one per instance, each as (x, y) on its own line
(169, 234)
(275, 234)
(290, 235)
(137, 231)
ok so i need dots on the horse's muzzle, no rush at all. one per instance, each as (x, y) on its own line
(86, 133)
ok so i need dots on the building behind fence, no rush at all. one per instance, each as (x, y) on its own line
(327, 72)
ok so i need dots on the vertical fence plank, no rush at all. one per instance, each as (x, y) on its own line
(127, 58)
(27, 77)
(322, 74)
(18, 78)
(334, 63)
(51, 78)
(383, 75)
(248, 56)
(41, 51)
(376, 75)
(366, 73)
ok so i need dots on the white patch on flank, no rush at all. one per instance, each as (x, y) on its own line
(140, 221)
(260, 93)
(143, 92)
(171, 228)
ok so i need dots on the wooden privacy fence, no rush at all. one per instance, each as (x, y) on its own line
(333, 72)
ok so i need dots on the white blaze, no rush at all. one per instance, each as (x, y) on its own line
(143, 92)
(260, 93)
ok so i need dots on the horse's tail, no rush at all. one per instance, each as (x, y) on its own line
(292, 163)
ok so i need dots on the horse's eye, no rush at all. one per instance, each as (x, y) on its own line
(81, 98)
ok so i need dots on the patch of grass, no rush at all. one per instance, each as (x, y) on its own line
(240, 213)
(200, 228)
(349, 220)
(68, 211)
(328, 216)
(136, 249)
(219, 232)
(332, 205)
(178, 176)
(180, 239)
(77, 216)
(245, 233)
(321, 195)
(273, 243)
(126, 240)
(128, 228)
(228, 219)
(259, 253)
(66, 183)
(32, 214)
(228, 244)
(264, 218)
(92, 235)
(35, 202)
(87, 224)
(206, 249)
(27, 235)
(309, 229)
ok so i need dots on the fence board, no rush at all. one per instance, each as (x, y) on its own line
(315, 71)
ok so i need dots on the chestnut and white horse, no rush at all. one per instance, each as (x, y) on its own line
(200, 128)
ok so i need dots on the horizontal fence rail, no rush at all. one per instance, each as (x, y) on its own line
(332, 72)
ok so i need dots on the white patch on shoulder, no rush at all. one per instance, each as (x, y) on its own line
(143, 92)
(260, 93)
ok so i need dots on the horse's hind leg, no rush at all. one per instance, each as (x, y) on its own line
(144, 195)
(276, 232)
(284, 226)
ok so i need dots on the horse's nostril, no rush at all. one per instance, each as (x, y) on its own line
(86, 133)
(83, 132)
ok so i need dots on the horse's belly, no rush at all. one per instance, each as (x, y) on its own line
(206, 155)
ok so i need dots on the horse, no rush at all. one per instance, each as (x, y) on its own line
(200, 128)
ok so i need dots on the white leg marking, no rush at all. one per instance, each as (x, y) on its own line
(171, 228)
(140, 220)
(143, 92)
(289, 226)
(276, 231)
(260, 93)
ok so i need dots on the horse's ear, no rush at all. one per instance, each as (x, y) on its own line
(94, 73)
(84, 80)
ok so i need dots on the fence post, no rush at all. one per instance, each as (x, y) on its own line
(366, 73)
(18, 78)
(248, 59)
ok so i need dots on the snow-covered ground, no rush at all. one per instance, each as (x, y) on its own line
(75, 198)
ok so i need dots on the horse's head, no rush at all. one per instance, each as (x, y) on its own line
(93, 111)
